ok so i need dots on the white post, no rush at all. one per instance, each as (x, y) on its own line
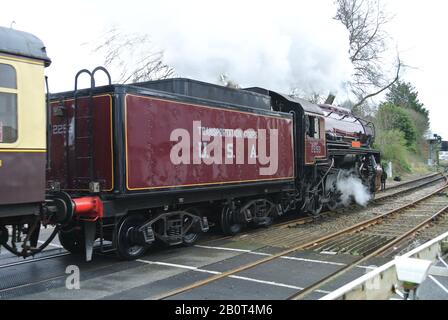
(389, 169)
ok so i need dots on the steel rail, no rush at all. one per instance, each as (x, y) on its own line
(356, 227)
(418, 186)
(405, 183)
(358, 288)
(55, 277)
(311, 219)
(280, 225)
(18, 263)
(306, 291)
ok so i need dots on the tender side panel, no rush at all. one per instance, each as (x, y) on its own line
(72, 171)
(151, 122)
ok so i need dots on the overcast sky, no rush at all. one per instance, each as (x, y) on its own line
(276, 44)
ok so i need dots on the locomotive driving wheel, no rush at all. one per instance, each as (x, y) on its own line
(313, 204)
(127, 247)
(229, 224)
(333, 205)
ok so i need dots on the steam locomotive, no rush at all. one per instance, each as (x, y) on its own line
(124, 166)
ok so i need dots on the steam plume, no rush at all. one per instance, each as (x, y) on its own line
(352, 188)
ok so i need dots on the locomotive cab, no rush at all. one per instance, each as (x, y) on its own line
(314, 138)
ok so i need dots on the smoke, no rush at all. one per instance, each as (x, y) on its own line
(274, 44)
(282, 45)
(352, 188)
(348, 187)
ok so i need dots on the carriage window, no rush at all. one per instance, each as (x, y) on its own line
(313, 127)
(316, 128)
(8, 117)
(7, 76)
(8, 104)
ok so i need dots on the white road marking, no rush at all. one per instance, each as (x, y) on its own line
(233, 249)
(330, 253)
(443, 261)
(283, 257)
(314, 261)
(174, 265)
(52, 244)
(438, 283)
(181, 266)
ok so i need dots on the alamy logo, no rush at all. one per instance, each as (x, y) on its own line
(73, 280)
(226, 146)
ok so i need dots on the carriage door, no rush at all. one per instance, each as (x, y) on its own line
(22, 131)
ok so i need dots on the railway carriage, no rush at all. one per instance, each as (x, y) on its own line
(165, 160)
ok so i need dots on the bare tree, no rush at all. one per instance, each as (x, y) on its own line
(133, 56)
(365, 21)
(311, 96)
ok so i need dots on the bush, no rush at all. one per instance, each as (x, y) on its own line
(390, 117)
(392, 145)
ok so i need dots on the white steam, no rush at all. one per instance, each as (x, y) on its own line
(277, 45)
(349, 187)
(274, 44)
(352, 188)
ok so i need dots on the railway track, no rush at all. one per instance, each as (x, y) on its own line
(284, 225)
(437, 226)
(374, 249)
(399, 189)
(406, 183)
(408, 186)
(376, 245)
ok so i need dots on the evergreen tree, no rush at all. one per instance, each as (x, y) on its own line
(404, 95)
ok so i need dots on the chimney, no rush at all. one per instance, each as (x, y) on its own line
(330, 99)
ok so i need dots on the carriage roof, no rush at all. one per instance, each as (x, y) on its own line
(23, 44)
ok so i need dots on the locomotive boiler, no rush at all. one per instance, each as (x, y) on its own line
(121, 167)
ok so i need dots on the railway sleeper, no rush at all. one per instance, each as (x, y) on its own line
(374, 243)
(373, 248)
(366, 240)
(336, 244)
(351, 241)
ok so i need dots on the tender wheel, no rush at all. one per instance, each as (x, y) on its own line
(228, 224)
(72, 239)
(3, 235)
(127, 249)
(273, 214)
(194, 233)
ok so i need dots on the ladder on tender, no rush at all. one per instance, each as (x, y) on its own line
(85, 137)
